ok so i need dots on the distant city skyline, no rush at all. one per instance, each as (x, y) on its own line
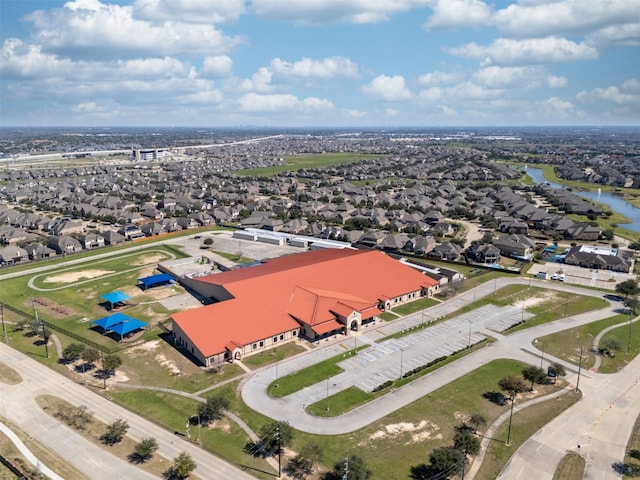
(319, 63)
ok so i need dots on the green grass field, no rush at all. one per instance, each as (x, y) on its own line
(298, 162)
(571, 467)
(566, 344)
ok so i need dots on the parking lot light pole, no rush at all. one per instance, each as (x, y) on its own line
(629, 342)
(513, 400)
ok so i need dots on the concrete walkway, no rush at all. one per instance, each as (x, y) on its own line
(26, 453)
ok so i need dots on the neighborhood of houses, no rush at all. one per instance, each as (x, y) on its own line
(346, 215)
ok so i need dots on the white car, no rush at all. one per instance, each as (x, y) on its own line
(554, 276)
(561, 277)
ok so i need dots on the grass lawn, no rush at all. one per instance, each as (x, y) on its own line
(8, 375)
(566, 344)
(415, 306)
(46, 456)
(156, 363)
(632, 455)
(223, 438)
(404, 438)
(94, 429)
(234, 257)
(571, 467)
(298, 162)
(525, 423)
(289, 384)
(388, 316)
(629, 338)
(273, 355)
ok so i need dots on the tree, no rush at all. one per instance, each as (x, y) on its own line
(110, 363)
(464, 441)
(302, 464)
(207, 242)
(115, 432)
(443, 461)
(182, 467)
(354, 468)
(90, 355)
(212, 410)
(144, 450)
(628, 288)
(609, 346)
(559, 369)
(73, 352)
(275, 435)
(534, 375)
(512, 384)
(632, 303)
(476, 421)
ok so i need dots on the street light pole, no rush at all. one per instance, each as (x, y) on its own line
(513, 400)
(579, 371)
(276, 374)
(469, 342)
(629, 343)
(327, 408)
(401, 361)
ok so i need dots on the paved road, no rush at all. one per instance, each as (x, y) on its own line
(597, 427)
(17, 404)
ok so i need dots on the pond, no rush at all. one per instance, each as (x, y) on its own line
(615, 202)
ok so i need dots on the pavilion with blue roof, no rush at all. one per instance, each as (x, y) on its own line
(115, 298)
(119, 323)
(154, 281)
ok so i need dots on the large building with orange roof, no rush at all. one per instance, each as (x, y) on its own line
(311, 295)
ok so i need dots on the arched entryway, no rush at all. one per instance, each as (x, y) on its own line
(354, 326)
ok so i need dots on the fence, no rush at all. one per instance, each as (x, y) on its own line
(58, 328)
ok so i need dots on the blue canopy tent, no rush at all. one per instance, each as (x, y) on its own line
(114, 298)
(107, 322)
(119, 323)
(129, 326)
(155, 280)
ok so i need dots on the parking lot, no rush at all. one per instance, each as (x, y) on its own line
(582, 276)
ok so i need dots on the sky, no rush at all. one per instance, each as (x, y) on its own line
(319, 63)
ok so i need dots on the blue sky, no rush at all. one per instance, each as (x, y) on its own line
(319, 63)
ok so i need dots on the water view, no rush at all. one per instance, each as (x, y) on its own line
(615, 202)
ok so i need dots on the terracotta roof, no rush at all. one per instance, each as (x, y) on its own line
(327, 327)
(305, 285)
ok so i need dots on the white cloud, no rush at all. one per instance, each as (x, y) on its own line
(191, 11)
(259, 81)
(517, 77)
(555, 108)
(352, 113)
(391, 112)
(326, 68)
(537, 19)
(456, 14)
(627, 95)
(253, 102)
(86, 28)
(627, 35)
(390, 89)
(431, 95)
(216, 67)
(317, 12)
(23, 61)
(438, 78)
(447, 111)
(533, 51)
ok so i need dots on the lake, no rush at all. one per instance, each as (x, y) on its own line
(615, 202)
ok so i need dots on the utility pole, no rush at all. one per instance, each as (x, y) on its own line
(104, 370)
(41, 324)
(279, 451)
(346, 468)
(401, 361)
(469, 342)
(327, 395)
(4, 328)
